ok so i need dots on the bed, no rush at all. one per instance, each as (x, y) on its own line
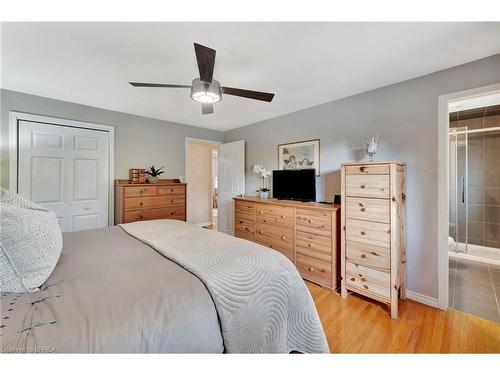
(123, 289)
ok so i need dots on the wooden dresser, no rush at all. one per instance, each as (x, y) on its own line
(373, 230)
(163, 200)
(307, 233)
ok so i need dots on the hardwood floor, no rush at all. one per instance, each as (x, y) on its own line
(358, 325)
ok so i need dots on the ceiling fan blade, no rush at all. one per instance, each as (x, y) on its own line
(206, 60)
(207, 109)
(142, 84)
(256, 95)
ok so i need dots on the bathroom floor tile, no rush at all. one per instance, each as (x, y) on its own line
(478, 310)
(477, 294)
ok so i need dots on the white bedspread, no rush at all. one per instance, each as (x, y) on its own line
(263, 304)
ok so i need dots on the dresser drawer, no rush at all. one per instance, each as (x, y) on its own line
(146, 202)
(371, 186)
(274, 214)
(243, 211)
(315, 270)
(279, 238)
(368, 169)
(176, 200)
(171, 190)
(368, 255)
(140, 191)
(368, 209)
(313, 245)
(288, 254)
(244, 229)
(368, 232)
(368, 280)
(155, 213)
(314, 221)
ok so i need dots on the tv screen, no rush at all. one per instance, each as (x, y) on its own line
(297, 184)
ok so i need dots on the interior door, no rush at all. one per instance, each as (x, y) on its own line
(65, 169)
(231, 182)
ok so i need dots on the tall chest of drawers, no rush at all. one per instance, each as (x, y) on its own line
(136, 202)
(373, 231)
(306, 233)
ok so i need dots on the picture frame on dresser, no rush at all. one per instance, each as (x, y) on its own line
(300, 155)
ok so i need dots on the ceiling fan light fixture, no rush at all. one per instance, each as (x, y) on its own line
(206, 93)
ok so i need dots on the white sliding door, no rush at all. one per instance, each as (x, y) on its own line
(231, 182)
(65, 169)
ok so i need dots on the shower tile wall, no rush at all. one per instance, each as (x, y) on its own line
(483, 177)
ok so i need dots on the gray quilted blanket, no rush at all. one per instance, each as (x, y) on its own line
(263, 304)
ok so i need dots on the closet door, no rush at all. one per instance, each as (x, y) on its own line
(66, 170)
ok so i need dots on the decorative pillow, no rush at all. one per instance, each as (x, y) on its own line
(30, 243)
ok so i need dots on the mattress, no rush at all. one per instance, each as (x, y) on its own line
(112, 293)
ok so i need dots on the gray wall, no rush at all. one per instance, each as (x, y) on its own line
(406, 117)
(139, 141)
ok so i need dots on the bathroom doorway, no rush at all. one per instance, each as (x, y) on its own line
(474, 205)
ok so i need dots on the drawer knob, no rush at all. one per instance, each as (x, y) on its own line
(261, 231)
(140, 217)
(363, 255)
(171, 201)
(363, 209)
(171, 190)
(283, 238)
(353, 279)
(142, 191)
(365, 286)
(310, 245)
(363, 233)
(374, 253)
(361, 169)
(241, 221)
(311, 269)
(260, 212)
(363, 186)
(283, 216)
(140, 203)
(172, 213)
(310, 220)
(271, 246)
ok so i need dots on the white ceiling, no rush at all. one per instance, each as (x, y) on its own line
(304, 64)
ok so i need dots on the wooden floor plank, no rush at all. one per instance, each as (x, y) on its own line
(359, 325)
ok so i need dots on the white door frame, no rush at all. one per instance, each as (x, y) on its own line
(443, 183)
(15, 117)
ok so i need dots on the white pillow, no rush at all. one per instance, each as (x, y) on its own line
(30, 243)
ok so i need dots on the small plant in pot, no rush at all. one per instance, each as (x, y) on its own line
(264, 193)
(154, 174)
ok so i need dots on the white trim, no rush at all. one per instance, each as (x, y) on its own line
(426, 300)
(443, 181)
(15, 117)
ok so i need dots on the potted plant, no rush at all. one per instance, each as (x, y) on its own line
(264, 173)
(264, 193)
(154, 174)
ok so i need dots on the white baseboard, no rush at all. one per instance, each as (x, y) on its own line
(426, 300)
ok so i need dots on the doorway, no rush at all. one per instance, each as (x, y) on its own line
(215, 174)
(202, 182)
(474, 208)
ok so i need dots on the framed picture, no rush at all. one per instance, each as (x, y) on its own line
(299, 155)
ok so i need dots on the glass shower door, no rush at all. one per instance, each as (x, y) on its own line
(458, 226)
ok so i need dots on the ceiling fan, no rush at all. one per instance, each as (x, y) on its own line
(205, 89)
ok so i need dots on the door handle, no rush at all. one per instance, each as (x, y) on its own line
(463, 189)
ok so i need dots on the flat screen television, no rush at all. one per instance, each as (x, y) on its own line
(297, 184)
